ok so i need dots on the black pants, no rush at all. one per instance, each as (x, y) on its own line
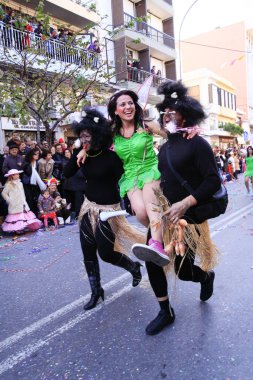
(32, 193)
(185, 270)
(102, 241)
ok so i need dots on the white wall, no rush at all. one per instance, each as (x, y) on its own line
(128, 7)
(155, 22)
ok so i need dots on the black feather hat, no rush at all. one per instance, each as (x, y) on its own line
(176, 98)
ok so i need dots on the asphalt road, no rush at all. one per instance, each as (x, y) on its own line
(46, 335)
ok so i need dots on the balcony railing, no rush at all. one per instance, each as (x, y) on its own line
(144, 28)
(139, 76)
(53, 49)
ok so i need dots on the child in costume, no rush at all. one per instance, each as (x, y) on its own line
(62, 209)
(20, 218)
(46, 206)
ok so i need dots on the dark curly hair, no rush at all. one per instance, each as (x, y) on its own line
(176, 98)
(98, 126)
(29, 155)
(112, 105)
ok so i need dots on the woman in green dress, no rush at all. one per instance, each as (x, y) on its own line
(248, 174)
(133, 143)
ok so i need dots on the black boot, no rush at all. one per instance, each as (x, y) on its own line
(92, 269)
(94, 299)
(131, 266)
(163, 319)
(207, 287)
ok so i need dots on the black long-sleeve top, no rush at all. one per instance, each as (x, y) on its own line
(194, 160)
(102, 173)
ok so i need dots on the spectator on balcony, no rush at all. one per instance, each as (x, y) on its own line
(129, 67)
(95, 49)
(158, 77)
(26, 40)
(39, 30)
(136, 73)
(63, 35)
(153, 72)
(9, 18)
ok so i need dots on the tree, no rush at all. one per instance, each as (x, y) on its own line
(233, 129)
(45, 78)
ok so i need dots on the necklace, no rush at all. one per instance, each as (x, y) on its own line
(93, 155)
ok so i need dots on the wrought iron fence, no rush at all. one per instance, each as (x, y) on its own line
(57, 50)
(139, 76)
(144, 28)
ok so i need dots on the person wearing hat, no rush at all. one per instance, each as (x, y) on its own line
(13, 160)
(193, 159)
(111, 238)
(20, 218)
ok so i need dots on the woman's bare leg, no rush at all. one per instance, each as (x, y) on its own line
(246, 181)
(150, 203)
(135, 197)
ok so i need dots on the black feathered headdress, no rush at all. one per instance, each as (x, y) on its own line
(97, 125)
(176, 98)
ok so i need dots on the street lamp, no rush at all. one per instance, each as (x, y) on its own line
(179, 35)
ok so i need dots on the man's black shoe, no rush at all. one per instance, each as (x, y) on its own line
(207, 287)
(163, 319)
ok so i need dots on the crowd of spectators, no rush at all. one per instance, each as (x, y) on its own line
(230, 162)
(21, 31)
(42, 167)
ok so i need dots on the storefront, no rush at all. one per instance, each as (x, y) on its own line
(227, 142)
(31, 130)
(67, 133)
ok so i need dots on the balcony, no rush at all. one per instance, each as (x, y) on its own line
(140, 35)
(135, 77)
(68, 11)
(56, 51)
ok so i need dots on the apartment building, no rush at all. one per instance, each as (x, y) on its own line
(140, 37)
(228, 52)
(70, 14)
(135, 37)
(217, 95)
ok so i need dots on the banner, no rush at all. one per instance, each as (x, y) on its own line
(143, 91)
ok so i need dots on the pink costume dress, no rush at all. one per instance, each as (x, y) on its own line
(19, 218)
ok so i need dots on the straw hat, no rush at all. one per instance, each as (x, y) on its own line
(13, 171)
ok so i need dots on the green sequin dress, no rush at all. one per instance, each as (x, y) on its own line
(249, 167)
(139, 160)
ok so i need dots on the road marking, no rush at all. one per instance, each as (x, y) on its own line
(57, 314)
(27, 351)
(231, 221)
(228, 216)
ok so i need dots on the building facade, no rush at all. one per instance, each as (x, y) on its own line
(217, 95)
(136, 39)
(228, 52)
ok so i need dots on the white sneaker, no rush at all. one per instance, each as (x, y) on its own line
(148, 253)
(60, 220)
(67, 221)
